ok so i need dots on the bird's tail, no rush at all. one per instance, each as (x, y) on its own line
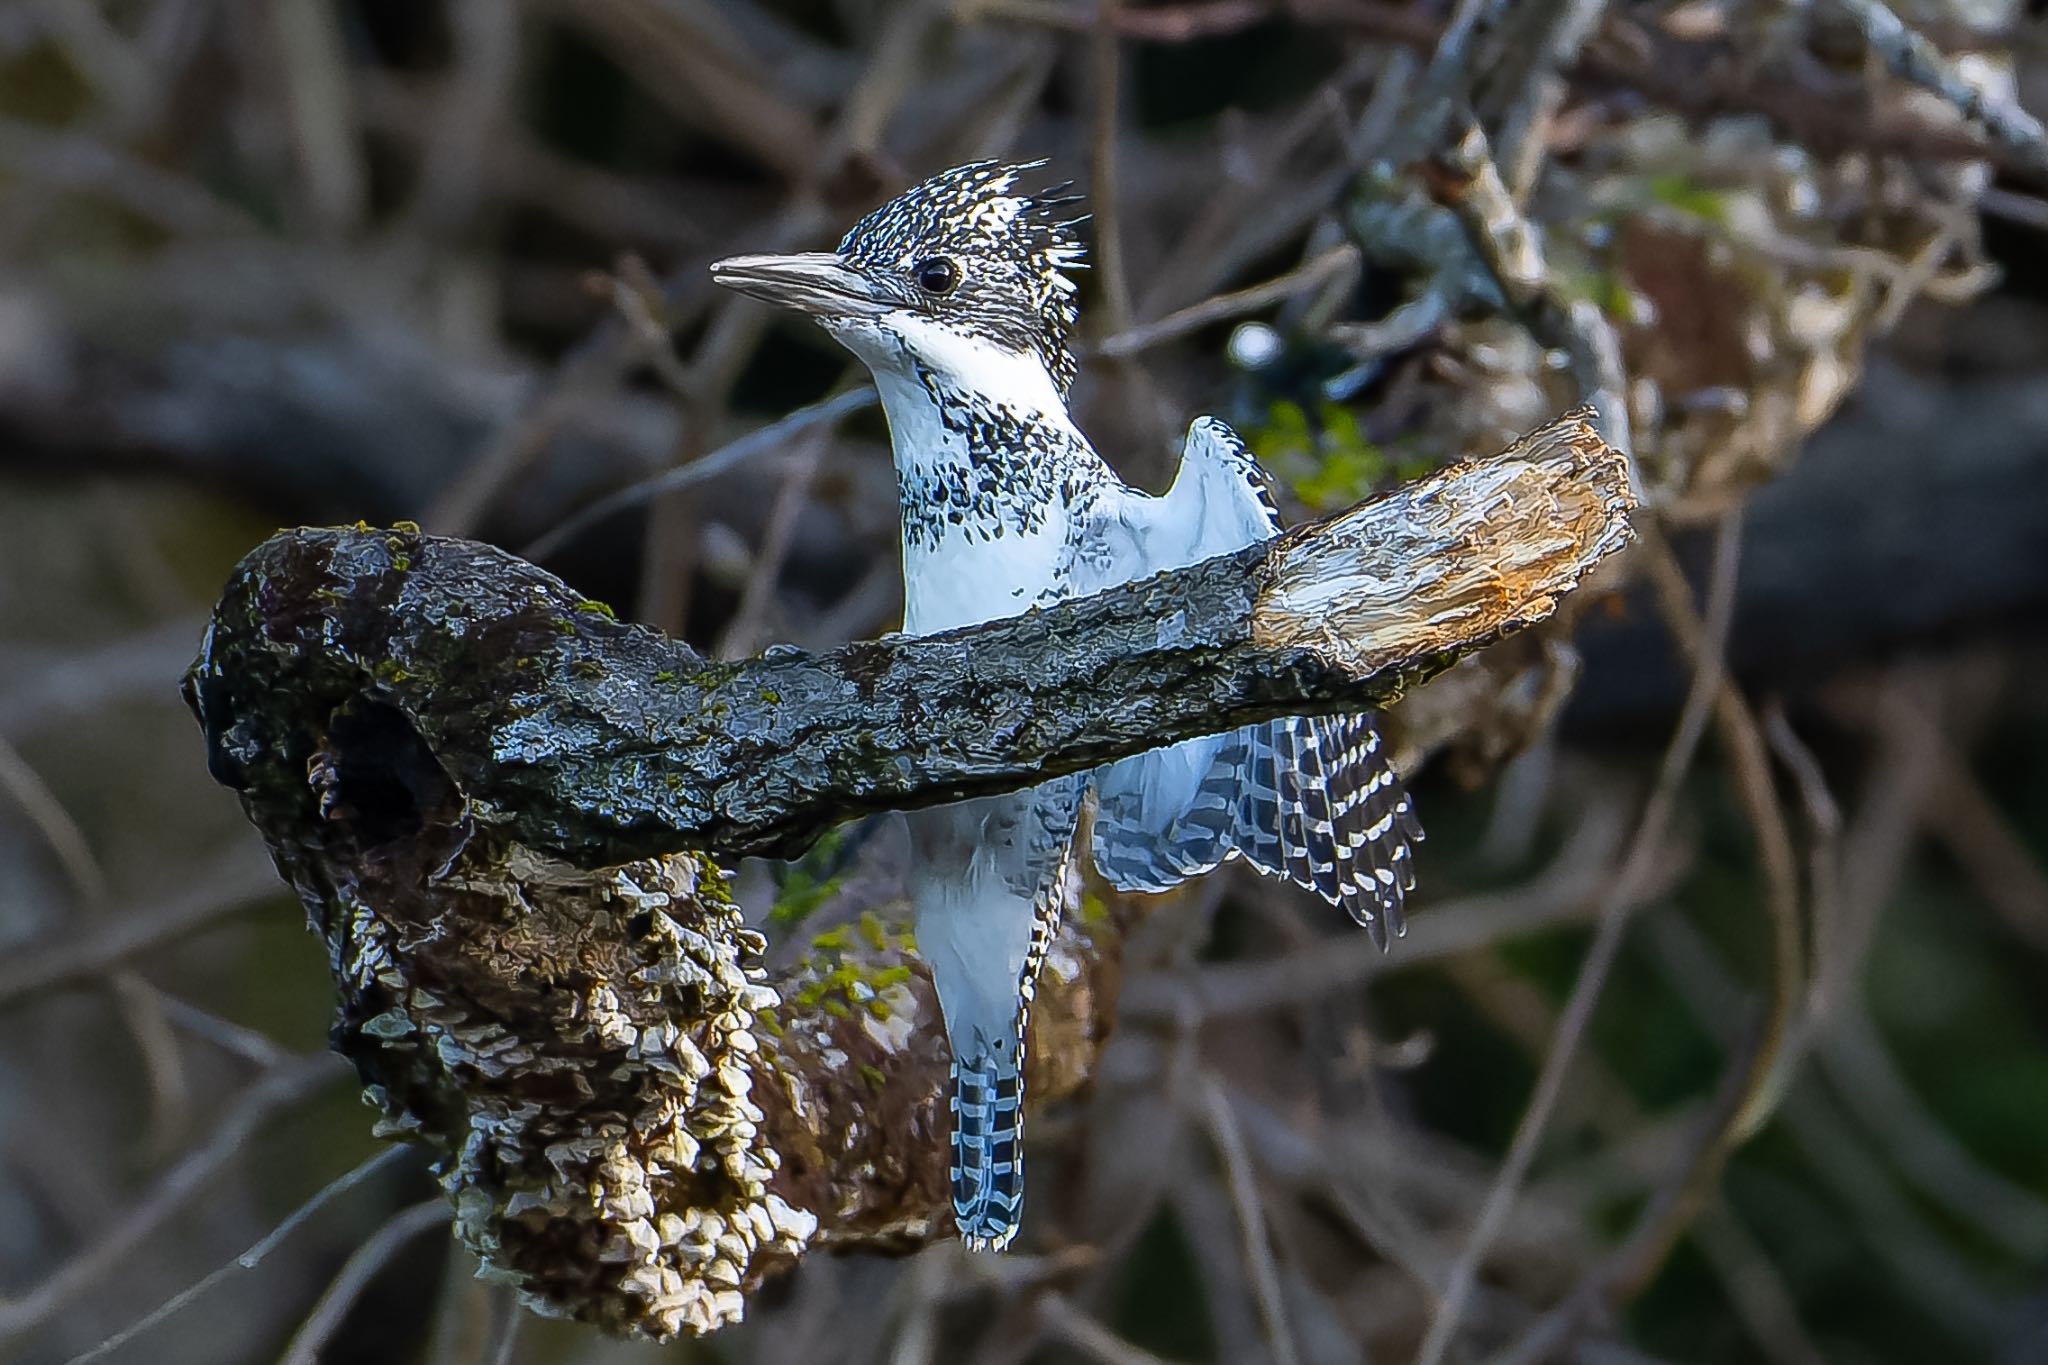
(988, 1149)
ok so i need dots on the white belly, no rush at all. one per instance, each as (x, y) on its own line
(962, 581)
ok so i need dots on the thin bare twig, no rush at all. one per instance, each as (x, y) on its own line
(247, 1043)
(749, 620)
(1934, 1276)
(169, 1088)
(1061, 1319)
(457, 146)
(1331, 264)
(77, 160)
(1744, 742)
(239, 882)
(321, 114)
(727, 457)
(1512, 251)
(1251, 1218)
(1910, 55)
(639, 299)
(1445, 80)
(1615, 914)
(269, 1094)
(501, 1339)
(1824, 834)
(1563, 891)
(1105, 63)
(1979, 836)
(1758, 1292)
(591, 371)
(1761, 1061)
(250, 1259)
(355, 1276)
(1561, 32)
(1924, 1151)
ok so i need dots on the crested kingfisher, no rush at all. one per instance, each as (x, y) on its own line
(956, 295)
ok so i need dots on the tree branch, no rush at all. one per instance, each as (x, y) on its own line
(499, 806)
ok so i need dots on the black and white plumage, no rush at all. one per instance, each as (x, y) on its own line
(955, 294)
(1310, 799)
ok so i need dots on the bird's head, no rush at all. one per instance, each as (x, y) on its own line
(962, 275)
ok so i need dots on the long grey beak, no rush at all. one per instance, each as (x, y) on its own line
(814, 282)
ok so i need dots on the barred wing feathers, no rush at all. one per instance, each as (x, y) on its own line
(1309, 799)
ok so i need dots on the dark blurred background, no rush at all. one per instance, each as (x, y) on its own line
(264, 264)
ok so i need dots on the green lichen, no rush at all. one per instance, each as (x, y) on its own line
(872, 930)
(842, 982)
(799, 897)
(665, 676)
(587, 668)
(1688, 196)
(597, 608)
(712, 888)
(835, 940)
(874, 1076)
(1324, 456)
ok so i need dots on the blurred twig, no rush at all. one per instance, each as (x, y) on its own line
(1251, 1218)
(1743, 741)
(277, 1090)
(362, 1266)
(1332, 264)
(45, 157)
(1615, 914)
(745, 633)
(209, 896)
(1763, 1056)
(169, 1087)
(727, 457)
(1937, 1279)
(1970, 825)
(250, 1259)
(1550, 41)
(1566, 889)
(1105, 189)
(315, 86)
(1513, 254)
(1910, 55)
(1089, 1337)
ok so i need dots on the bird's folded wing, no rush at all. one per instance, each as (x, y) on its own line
(1310, 799)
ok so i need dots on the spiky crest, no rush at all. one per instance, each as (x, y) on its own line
(1013, 251)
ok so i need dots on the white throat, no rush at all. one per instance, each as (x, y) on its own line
(992, 473)
(910, 355)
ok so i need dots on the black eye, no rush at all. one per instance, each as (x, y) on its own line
(937, 275)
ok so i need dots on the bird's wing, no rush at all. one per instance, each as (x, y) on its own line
(1310, 799)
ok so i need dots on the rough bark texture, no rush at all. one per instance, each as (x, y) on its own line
(501, 808)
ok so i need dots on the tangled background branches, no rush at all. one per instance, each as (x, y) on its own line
(1700, 1051)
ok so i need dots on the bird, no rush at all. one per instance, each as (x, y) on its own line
(958, 296)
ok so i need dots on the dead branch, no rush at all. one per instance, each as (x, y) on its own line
(499, 806)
